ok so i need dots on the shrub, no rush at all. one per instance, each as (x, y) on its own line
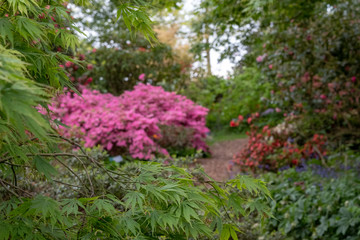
(131, 121)
(317, 203)
(85, 197)
(273, 148)
(222, 96)
(314, 68)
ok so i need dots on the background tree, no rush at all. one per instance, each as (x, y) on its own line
(49, 190)
(122, 56)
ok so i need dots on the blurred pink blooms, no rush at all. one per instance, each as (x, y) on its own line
(130, 120)
(142, 77)
(259, 59)
(68, 64)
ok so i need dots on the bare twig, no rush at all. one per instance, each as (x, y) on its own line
(88, 176)
(68, 184)
(14, 174)
(46, 155)
(72, 171)
(9, 190)
(17, 165)
(16, 187)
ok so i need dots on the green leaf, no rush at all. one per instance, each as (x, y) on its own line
(29, 29)
(44, 167)
(6, 30)
(225, 233)
(71, 206)
(46, 207)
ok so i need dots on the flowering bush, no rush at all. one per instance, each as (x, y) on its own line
(314, 68)
(131, 121)
(273, 148)
(79, 72)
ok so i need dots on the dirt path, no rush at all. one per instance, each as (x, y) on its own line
(222, 153)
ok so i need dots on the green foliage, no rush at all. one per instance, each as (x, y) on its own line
(227, 99)
(117, 70)
(50, 193)
(35, 38)
(122, 54)
(310, 207)
(311, 67)
(29, 72)
(138, 200)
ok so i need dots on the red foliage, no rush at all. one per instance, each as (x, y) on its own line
(270, 151)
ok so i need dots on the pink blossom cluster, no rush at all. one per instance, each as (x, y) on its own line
(131, 120)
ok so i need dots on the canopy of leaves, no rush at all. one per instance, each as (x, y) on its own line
(122, 55)
(145, 201)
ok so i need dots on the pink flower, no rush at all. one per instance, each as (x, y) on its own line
(323, 97)
(130, 120)
(89, 80)
(232, 123)
(317, 84)
(277, 110)
(142, 77)
(265, 128)
(89, 66)
(62, 66)
(270, 66)
(6, 15)
(343, 93)
(68, 64)
(259, 59)
(305, 78)
(331, 86)
(94, 50)
(353, 79)
(47, 7)
(241, 118)
(249, 120)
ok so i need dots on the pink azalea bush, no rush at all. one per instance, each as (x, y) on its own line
(131, 120)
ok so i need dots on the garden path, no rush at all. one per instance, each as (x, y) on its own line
(222, 154)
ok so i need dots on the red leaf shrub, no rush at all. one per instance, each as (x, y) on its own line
(130, 121)
(273, 148)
